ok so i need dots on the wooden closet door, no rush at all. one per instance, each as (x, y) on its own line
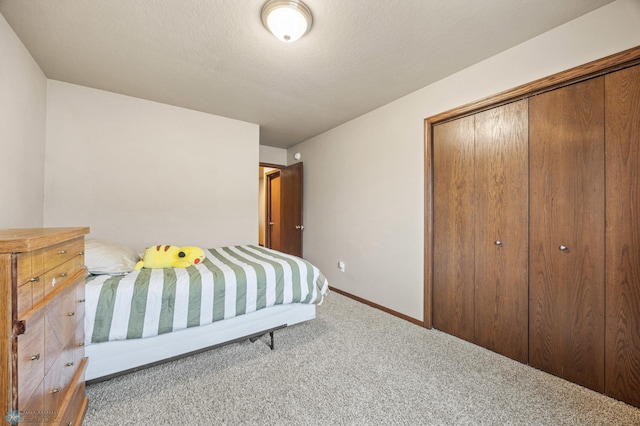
(566, 269)
(501, 230)
(622, 370)
(453, 227)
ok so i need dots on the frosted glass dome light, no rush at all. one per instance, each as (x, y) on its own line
(288, 20)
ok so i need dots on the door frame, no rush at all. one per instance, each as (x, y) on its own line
(291, 198)
(615, 62)
(268, 200)
(267, 197)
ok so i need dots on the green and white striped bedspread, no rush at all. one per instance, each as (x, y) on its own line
(231, 281)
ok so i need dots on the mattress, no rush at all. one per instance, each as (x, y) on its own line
(230, 282)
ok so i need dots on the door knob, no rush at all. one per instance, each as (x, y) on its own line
(498, 243)
(300, 227)
(563, 248)
(270, 223)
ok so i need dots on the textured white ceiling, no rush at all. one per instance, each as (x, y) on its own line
(215, 56)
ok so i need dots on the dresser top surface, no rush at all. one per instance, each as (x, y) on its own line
(27, 239)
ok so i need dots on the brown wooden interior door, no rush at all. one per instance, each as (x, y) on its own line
(622, 370)
(453, 227)
(566, 273)
(291, 210)
(273, 226)
(501, 230)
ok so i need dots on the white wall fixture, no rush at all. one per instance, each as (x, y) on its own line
(297, 156)
(288, 20)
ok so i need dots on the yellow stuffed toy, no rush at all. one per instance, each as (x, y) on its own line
(166, 256)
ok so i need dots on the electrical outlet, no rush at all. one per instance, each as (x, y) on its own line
(341, 266)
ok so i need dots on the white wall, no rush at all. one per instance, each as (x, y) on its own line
(363, 183)
(272, 155)
(146, 173)
(23, 94)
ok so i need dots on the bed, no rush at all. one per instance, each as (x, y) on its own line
(142, 318)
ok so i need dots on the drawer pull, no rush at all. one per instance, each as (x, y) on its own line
(62, 252)
(56, 390)
(70, 314)
(69, 364)
(35, 357)
(64, 274)
(34, 279)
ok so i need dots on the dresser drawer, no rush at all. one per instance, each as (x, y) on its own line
(59, 325)
(80, 310)
(25, 297)
(74, 414)
(29, 279)
(60, 253)
(59, 275)
(32, 408)
(61, 386)
(69, 362)
(37, 290)
(75, 403)
(30, 266)
(24, 268)
(31, 357)
(56, 382)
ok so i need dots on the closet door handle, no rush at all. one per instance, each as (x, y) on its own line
(498, 243)
(35, 357)
(563, 248)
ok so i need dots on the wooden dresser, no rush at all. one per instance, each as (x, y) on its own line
(42, 276)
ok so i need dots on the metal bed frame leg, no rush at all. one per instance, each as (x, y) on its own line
(255, 337)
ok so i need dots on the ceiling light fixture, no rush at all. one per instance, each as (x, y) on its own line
(288, 20)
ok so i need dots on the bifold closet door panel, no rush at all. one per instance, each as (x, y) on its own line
(566, 263)
(501, 230)
(453, 227)
(622, 370)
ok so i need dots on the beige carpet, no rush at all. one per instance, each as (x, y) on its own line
(353, 365)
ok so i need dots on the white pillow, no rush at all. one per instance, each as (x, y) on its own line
(108, 257)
